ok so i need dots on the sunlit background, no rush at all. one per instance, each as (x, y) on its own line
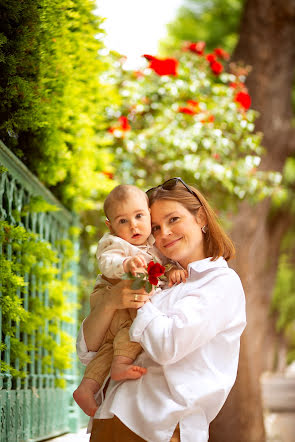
(134, 27)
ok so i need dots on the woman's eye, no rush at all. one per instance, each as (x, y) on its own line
(155, 228)
(173, 219)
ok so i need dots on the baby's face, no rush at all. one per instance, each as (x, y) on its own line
(131, 220)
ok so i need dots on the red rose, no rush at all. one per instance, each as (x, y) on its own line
(154, 271)
(165, 66)
(197, 48)
(243, 99)
(221, 53)
(216, 67)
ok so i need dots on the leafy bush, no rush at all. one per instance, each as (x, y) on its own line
(52, 96)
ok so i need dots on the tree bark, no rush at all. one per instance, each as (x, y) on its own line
(267, 43)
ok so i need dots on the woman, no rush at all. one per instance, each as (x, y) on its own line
(190, 333)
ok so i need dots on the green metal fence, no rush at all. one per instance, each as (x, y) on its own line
(33, 408)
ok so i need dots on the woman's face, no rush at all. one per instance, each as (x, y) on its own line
(177, 232)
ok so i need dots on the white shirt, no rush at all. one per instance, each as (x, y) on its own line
(112, 251)
(190, 334)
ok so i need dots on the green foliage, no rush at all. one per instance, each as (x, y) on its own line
(53, 96)
(215, 147)
(283, 301)
(42, 311)
(213, 21)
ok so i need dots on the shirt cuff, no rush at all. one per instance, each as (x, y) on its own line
(84, 354)
(145, 315)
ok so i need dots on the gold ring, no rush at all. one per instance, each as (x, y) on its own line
(135, 298)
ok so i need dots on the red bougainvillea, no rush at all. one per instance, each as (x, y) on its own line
(165, 66)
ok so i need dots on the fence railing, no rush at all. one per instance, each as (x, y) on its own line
(34, 407)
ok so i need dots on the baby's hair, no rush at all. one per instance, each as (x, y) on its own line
(121, 193)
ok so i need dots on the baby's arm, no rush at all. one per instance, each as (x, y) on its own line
(176, 276)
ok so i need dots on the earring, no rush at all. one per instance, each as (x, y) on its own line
(204, 229)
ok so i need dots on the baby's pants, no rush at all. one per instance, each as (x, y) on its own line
(116, 343)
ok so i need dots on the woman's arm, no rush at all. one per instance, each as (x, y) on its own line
(191, 322)
(98, 321)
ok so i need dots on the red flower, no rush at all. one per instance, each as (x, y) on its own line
(243, 99)
(165, 66)
(238, 85)
(197, 48)
(186, 110)
(109, 175)
(193, 103)
(209, 119)
(211, 58)
(124, 125)
(221, 53)
(216, 67)
(191, 109)
(138, 74)
(155, 270)
(120, 129)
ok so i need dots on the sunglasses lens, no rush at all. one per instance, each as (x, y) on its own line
(170, 184)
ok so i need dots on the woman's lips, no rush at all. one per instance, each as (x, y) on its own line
(171, 243)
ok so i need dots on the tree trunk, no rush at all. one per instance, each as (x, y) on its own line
(267, 43)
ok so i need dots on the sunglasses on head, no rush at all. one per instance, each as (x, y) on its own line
(170, 184)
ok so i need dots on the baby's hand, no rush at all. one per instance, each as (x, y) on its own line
(176, 276)
(135, 264)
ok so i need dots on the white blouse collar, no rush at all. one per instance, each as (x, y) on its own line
(206, 264)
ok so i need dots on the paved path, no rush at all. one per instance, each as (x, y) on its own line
(73, 437)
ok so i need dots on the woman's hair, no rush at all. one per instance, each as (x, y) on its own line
(216, 241)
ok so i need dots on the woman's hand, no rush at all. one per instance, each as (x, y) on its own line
(104, 306)
(122, 296)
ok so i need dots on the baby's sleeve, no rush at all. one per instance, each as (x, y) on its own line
(111, 253)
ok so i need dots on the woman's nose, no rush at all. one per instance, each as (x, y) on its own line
(165, 231)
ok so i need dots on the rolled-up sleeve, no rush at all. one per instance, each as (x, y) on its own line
(194, 320)
(83, 353)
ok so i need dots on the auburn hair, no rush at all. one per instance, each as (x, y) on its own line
(216, 241)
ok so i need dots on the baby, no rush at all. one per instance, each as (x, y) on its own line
(127, 248)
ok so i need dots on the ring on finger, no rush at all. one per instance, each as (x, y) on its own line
(135, 298)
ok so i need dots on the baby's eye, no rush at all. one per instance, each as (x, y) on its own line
(139, 215)
(123, 221)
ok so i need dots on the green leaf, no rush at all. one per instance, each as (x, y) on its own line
(137, 284)
(148, 286)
